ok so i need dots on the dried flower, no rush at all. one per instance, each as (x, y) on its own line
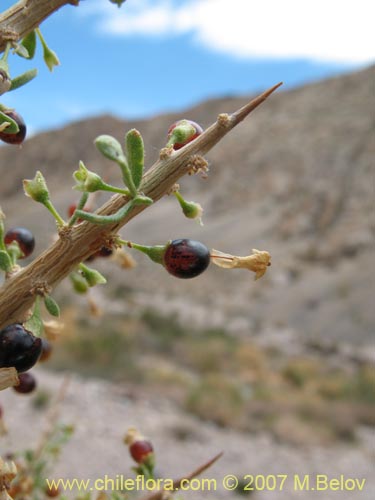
(257, 262)
(123, 259)
(8, 472)
(8, 377)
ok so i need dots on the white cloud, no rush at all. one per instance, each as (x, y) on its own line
(328, 30)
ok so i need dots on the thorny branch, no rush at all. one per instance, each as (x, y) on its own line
(24, 16)
(75, 244)
(163, 495)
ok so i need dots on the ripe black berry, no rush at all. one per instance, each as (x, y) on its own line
(198, 131)
(23, 237)
(186, 258)
(19, 348)
(27, 383)
(19, 137)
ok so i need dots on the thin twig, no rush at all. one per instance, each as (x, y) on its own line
(52, 417)
(158, 495)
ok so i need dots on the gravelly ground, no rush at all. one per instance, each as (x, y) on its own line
(101, 413)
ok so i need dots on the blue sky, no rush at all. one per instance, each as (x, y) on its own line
(153, 56)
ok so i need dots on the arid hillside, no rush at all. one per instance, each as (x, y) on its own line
(295, 179)
(278, 373)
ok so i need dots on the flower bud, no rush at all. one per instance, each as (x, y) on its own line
(49, 56)
(37, 188)
(87, 181)
(191, 209)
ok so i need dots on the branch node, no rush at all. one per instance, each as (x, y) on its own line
(166, 153)
(197, 164)
(174, 188)
(223, 120)
(65, 233)
(9, 34)
(40, 288)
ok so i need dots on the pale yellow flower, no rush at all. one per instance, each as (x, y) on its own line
(257, 262)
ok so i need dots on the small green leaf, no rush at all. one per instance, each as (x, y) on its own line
(141, 199)
(5, 261)
(109, 147)
(135, 154)
(21, 80)
(51, 306)
(29, 42)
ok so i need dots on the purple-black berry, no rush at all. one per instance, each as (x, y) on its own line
(27, 383)
(18, 137)
(19, 348)
(185, 258)
(23, 237)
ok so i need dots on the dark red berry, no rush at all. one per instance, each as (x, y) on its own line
(186, 258)
(27, 383)
(52, 491)
(19, 137)
(140, 450)
(19, 348)
(23, 237)
(104, 252)
(46, 350)
(72, 208)
(198, 131)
